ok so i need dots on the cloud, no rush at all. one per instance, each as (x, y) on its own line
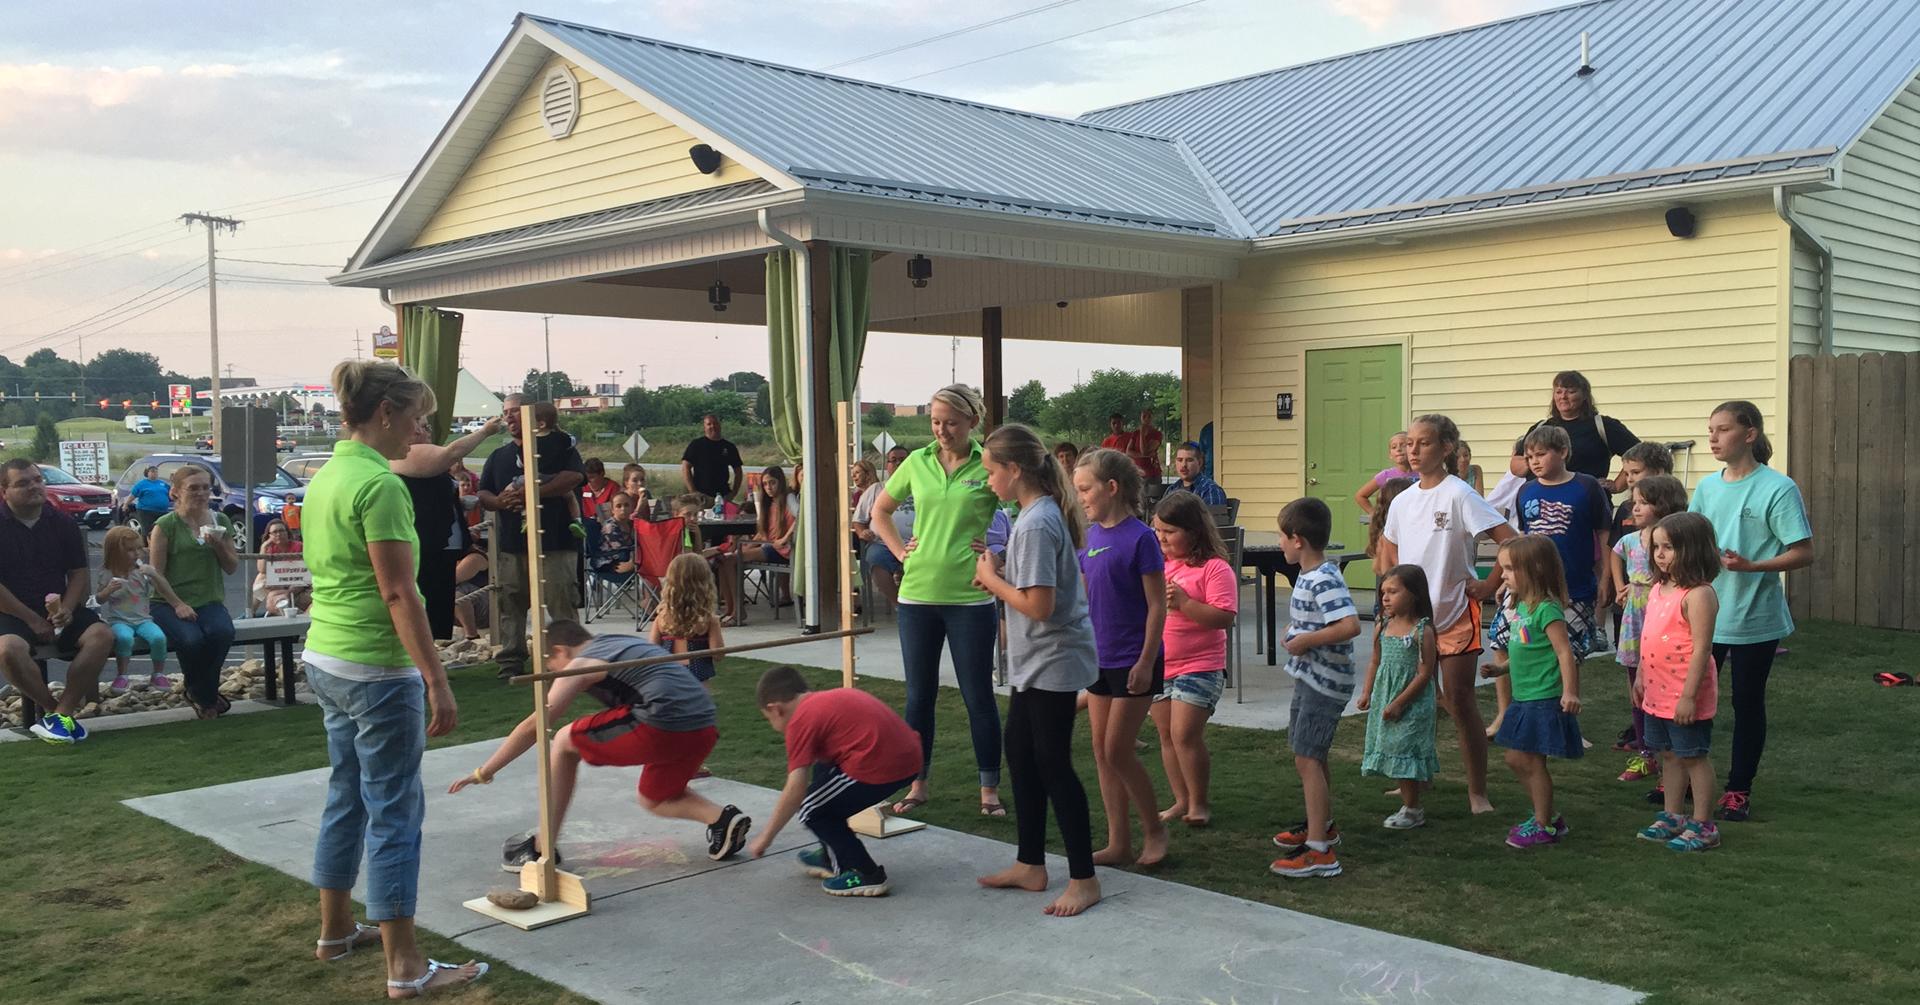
(1380, 15)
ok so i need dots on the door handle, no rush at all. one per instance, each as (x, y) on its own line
(1313, 481)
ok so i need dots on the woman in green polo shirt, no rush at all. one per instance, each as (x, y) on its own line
(938, 601)
(373, 668)
(192, 548)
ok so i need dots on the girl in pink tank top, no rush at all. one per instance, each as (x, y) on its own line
(1677, 687)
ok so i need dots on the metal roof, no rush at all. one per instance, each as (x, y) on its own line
(1496, 113)
(824, 130)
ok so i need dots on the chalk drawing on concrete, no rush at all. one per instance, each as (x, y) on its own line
(823, 949)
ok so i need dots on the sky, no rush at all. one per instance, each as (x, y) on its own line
(303, 119)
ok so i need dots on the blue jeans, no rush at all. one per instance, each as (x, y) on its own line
(200, 645)
(970, 633)
(146, 631)
(376, 732)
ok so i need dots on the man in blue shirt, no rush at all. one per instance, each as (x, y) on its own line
(1187, 464)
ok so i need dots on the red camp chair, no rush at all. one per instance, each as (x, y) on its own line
(656, 544)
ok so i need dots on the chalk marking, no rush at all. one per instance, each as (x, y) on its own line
(858, 971)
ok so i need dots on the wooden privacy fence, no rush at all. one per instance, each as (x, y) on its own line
(1852, 419)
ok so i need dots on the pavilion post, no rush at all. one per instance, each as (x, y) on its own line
(844, 527)
(821, 492)
(992, 369)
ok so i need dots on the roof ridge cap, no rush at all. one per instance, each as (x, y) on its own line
(769, 64)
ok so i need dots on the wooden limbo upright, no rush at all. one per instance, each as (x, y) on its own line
(563, 895)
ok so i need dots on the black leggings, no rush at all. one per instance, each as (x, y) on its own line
(1747, 666)
(1040, 756)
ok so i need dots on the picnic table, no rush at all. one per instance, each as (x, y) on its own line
(1269, 563)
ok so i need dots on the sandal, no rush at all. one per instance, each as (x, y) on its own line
(995, 809)
(908, 805)
(418, 986)
(1886, 679)
(350, 941)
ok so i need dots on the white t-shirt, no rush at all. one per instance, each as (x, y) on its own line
(1435, 529)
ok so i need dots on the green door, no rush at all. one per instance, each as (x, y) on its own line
(1353, 407)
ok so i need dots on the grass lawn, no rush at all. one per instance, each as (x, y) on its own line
(1790, 909)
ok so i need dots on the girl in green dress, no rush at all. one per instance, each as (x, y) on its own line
(1400, 729)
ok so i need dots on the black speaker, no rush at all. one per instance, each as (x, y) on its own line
(1681, 222)
(706, 158)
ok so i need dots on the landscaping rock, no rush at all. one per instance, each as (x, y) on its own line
(513, 899)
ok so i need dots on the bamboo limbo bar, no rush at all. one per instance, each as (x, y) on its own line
(648, 661)
(844, 426)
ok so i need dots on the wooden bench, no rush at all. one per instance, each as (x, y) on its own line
(275, 636)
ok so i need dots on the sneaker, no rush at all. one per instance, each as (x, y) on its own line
(160, 682)
(1624, 741)
(854, 883)
(1405, 819)
(1307, 862)
(1529, 834)
(817, 862)
(121, 683)
(1559, 826)
(1664, 827)
(1657, 795)
(53, 728)
(1639, 768)
(521, 850)
(1294, 838)
(727, 835)
(1734, 805)
(577, 529)
(1700, 835)
(75, 729)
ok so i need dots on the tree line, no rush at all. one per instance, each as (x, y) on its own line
(66, 388)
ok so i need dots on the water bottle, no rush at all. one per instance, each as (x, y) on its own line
(719, 508)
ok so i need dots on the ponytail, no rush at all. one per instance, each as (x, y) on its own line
(1113, 466)
(1018, 446)
(1747, 414)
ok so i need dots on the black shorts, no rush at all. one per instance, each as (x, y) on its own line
(66, 643)
(1113, 681)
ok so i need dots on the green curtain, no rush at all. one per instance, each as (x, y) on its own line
(430, 347)
(846, 344)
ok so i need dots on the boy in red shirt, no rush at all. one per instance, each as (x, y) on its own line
(846, 751)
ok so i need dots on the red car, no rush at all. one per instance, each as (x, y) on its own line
(89, 505)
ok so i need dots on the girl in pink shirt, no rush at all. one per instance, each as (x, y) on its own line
(1677, 687)
(1203, 596)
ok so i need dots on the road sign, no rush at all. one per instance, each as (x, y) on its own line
(246, 445)
(883, 443)
(636, 445)
(180, 396)
(86, 460)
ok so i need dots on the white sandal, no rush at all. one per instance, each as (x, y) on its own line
(419, 984)
(351, 941)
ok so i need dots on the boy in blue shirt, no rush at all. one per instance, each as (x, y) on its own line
(1572, 510)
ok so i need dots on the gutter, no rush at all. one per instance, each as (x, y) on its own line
(1783, 205)
(809, 449)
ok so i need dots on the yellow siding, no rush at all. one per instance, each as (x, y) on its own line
(1664, 328)
(618, 153)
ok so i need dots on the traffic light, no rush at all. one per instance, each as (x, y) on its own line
(127, 403)
(103, 404)
(153, 404)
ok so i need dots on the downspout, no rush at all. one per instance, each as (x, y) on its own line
(803, 292)
(1782, 204)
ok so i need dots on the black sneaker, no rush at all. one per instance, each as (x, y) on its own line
(1624, 740)
(521, 850)
(1734, 805)
(1658, 795)
(727, 835)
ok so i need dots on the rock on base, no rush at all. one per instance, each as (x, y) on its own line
(512, 898)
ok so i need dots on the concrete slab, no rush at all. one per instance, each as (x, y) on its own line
(669, 926)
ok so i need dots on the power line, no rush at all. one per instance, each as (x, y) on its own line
(148, 308)
(316, 193)
(300, 265)
(137, 247)
(53, 259)
(335, 205)
(1051, 41)
(101, 316)
(92, 300)
(956, 33)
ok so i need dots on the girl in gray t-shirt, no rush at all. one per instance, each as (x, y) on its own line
(1050, 657)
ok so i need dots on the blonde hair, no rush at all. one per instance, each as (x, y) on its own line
(1109, 465)
(120, 549)
(1016, 445)
(178, 479)
(1537, 569)
(1377, 524)
(688, 596)
(962, 398)
(361, 385)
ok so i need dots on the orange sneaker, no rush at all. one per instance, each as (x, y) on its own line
(1307, 862)
(1294, 837)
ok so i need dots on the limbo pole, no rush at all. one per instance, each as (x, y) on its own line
(649, 661)
(843, 426)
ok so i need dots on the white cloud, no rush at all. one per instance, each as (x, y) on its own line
(1380, 15)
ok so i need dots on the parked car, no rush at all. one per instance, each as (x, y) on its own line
(204, 443)
(474, 425)
(285, 444)
(304, 466)
(89, 505)
(270, 499)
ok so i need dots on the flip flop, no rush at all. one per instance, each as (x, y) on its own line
(988, 809)
(417, 988)
(908, 805)
(1887, 679)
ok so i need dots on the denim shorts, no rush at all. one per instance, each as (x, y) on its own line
(1684, 741)
(1200, 688)
(879, 556)
(1311, 721)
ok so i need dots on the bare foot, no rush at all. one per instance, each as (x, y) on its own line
(1479, 804)
(1169, 814)
(1153, 849)
(1079, 895)
(1018, 876)
(1112, 856)
(1204, 818)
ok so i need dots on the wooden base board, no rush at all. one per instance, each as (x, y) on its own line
(551, 912)
(876, 822)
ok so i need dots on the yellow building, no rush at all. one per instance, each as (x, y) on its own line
(1671, 197)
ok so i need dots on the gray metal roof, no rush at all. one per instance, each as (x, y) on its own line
(1495, 113)
(854, 135)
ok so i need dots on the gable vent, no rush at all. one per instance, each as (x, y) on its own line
(560, 102)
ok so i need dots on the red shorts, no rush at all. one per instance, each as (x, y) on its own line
(669, 760)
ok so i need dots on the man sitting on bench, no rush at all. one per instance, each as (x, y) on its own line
(43, 598)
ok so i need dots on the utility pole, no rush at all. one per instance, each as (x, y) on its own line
(953, 364)
(213, 225)
(643, 376)
(546, 335)
(81, 352)
(356, 344)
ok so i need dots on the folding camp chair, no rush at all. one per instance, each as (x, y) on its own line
(656, 544)
(607, 590)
